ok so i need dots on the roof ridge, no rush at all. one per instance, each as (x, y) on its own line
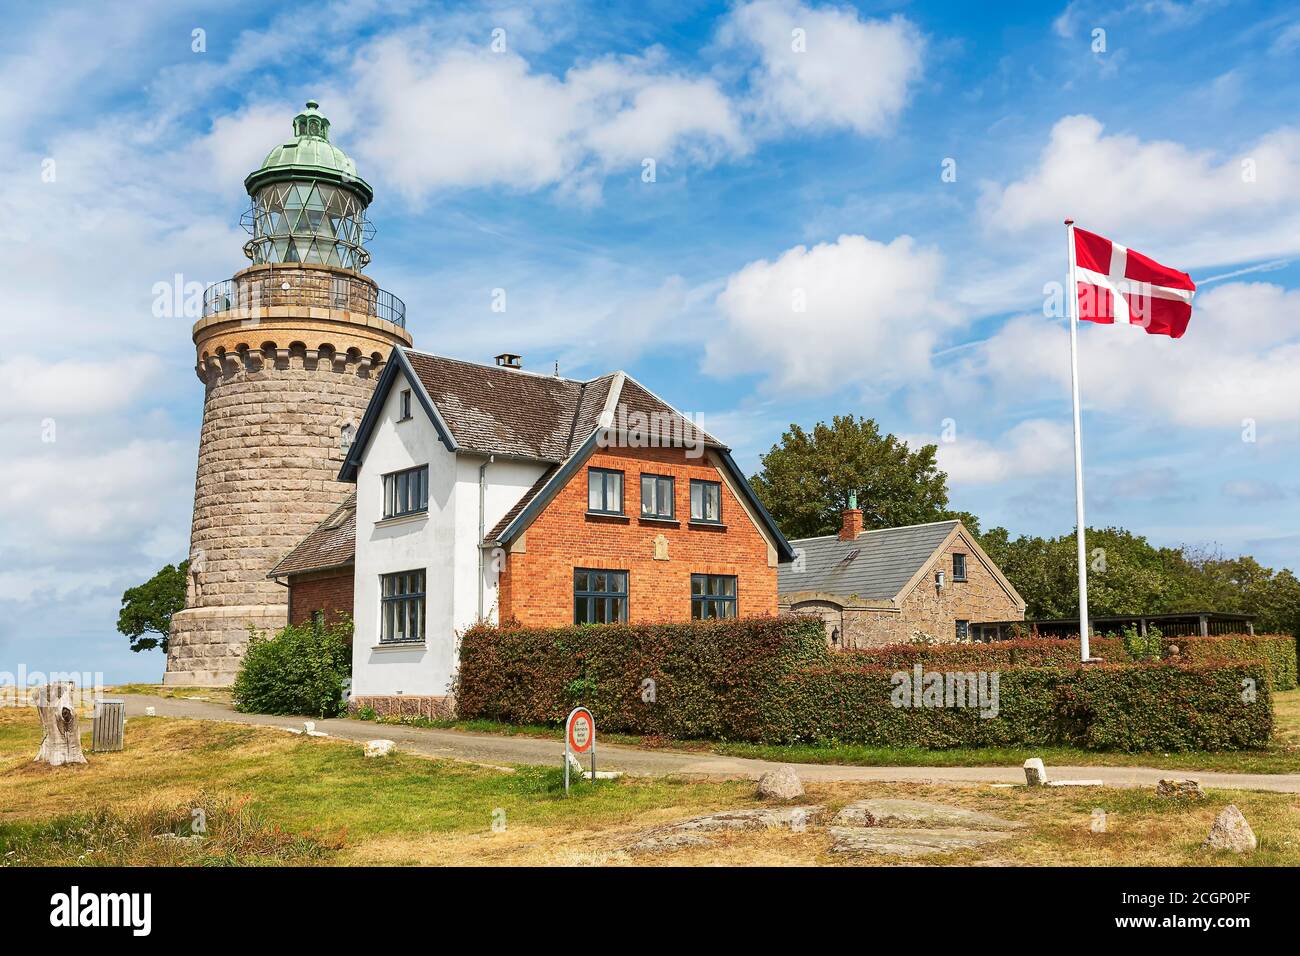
(512, 371)
(897, 527)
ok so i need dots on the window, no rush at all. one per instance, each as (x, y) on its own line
(406, 492)
(599, 597)
(405, 405)
(963, 630)
(706, 501)
(401, 607)
(959, 567)
(657, 496)
(605, 491)
(713, 595)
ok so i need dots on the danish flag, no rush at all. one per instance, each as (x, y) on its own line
(1116, 284)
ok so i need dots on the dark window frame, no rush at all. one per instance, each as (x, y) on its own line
(672, 495)
(961, 630)
(398, 500)
(584, 599)
(408, 603)
(701, 602)
(956, 575)
(404, 405)
(604, 490)
(705, 483)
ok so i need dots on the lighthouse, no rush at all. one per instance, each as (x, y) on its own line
(288, 351)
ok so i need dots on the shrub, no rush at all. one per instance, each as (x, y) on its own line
(708, 678)
(1139, 646)
(1277, 651)
(773, 681)
(301, 670)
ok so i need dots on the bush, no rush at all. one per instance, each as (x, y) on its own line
(1276, 651)
(698, 679)
(1130, 707)
(303, 669)
(772, 680)
(1139, 646)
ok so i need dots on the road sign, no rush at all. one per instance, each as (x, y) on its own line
(579, 738)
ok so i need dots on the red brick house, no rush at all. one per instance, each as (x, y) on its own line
(494, 493)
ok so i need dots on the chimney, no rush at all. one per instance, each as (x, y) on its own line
(852, 526)
(509, 360)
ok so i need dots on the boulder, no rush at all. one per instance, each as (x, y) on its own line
(1230, 831)
(781, 784)
(1035, 772)
(917, 814)
(379, 748)
(665, 842)
(888, 841)
(1187, 789)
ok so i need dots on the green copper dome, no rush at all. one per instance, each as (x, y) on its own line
(309, 156)
(309, 204)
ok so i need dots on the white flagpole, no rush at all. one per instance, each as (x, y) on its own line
(1072, 296)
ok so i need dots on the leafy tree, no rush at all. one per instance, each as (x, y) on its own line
(148, 608)
(1129, 575)
(807, 479)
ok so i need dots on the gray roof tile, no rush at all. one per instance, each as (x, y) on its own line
(875, 565)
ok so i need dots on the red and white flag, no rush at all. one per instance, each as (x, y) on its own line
(1117, 284)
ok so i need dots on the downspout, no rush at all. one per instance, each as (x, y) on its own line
(482, 525)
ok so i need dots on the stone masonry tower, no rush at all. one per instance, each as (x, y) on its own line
(288, 352)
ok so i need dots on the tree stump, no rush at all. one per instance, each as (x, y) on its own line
(57, 706)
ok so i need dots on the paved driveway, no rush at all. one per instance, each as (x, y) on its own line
(504, 751)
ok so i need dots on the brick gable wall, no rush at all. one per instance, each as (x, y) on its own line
(536, 586)
(328, 591)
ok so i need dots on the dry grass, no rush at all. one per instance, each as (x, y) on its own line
(274, 797)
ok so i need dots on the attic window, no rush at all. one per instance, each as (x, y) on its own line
(336, 519)
(848, 558)
(959, 567)
(405, 411)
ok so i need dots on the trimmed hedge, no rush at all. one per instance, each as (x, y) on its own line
(773, 680)
(711, 678)
(1128, 707)
(1276, 651)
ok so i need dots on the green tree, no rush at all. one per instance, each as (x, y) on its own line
(148, 608)
(807, 480)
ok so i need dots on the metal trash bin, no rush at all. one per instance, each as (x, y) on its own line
(108, 726)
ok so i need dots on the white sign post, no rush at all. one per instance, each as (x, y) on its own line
(579, 738)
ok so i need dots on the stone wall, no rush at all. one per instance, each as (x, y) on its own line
(923, 610)
(269, 456)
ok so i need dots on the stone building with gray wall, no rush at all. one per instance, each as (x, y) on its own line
(892, 585)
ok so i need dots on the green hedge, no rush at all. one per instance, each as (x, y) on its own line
(1277, 651)
(1129, 707)
(711, 678)
(773, 680)
(301, 670)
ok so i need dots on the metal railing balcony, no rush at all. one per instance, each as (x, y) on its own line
(324, 291)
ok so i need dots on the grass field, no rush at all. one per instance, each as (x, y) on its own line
(274, 798)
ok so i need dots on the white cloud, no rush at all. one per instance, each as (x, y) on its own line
(1237, 361)
(854, 311)
(1187, 207)
(1030, 449)
(1253, 491)
(849, 74)
(466, 116)
(37, 387)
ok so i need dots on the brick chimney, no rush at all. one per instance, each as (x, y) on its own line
(852, 526)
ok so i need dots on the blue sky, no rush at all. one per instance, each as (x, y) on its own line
(797, 151)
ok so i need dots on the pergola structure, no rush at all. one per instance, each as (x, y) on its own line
(1185, 624)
